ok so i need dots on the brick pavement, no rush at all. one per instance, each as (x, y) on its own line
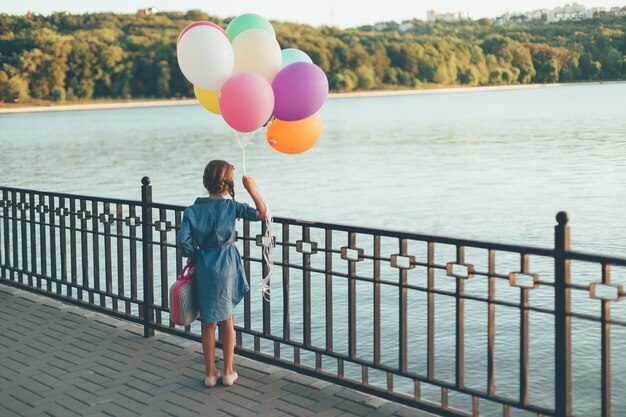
(61, 360)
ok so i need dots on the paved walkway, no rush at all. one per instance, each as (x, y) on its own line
(61, 360)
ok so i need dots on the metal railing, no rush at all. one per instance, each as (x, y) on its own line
(353, 305)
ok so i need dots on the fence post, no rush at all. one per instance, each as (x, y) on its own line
(562, 321)
(146, 246)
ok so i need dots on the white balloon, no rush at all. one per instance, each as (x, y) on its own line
(257, 51)
(205, 57)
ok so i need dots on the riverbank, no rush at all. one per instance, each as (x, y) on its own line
(186, 102)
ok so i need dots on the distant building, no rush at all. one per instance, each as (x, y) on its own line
(147, 12)
(435, 16)
(516, 17)
(390, 26)
(380, 26)
(540, 15)
(598, 10)
(574, 11)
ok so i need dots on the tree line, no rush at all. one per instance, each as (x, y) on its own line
(105, 55)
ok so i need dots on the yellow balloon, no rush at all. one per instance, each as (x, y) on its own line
(208, 99)
(294, 137)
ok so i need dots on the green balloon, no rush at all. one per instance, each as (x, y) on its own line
(248, 21)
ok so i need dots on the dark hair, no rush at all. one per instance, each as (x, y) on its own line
(219, 177)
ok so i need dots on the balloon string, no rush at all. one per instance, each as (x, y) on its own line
(268, 248)
(242, 146)
(243, 157)
(268, 236)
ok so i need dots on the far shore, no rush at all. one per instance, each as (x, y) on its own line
(186, 102)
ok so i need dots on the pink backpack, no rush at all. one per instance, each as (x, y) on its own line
(183, 303)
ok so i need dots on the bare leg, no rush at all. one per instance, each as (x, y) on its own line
(208, 347)
(227, 333)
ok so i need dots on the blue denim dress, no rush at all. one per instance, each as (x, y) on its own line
(220, 277)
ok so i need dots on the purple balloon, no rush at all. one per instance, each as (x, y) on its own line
(300, 89)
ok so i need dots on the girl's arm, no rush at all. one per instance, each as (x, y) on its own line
(184, 240)
(250, 186)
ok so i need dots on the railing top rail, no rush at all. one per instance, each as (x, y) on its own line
(168, 206)
(74, 196)
(592, 257)
(531, 250)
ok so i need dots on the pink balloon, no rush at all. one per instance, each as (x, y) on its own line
(246, 101)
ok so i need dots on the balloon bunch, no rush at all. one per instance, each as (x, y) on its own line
(242, 74)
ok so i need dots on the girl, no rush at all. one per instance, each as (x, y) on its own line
(220, 279)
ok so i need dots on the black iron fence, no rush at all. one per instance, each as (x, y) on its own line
(409, 317)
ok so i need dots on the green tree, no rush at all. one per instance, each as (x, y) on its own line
(469, 76)
(612, 63)
(405, 78)
(12, 88)
(163, 79)
(344, 80)
(115, 55)
(45, 65)
(80, 61)
(548, 72)
(367, 77)
(442, 76)
(403, 57)
(589, 69)
(523, 61)
(58, 94)
(391, 76)
(379, 61)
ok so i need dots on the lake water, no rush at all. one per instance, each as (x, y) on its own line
(488, 165)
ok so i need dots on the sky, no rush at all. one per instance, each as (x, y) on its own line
(342, 13)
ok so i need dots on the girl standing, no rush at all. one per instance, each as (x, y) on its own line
(220, 278)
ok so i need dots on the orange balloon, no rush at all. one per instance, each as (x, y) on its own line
(294, 137)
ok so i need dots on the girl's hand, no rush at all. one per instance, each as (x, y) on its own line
(248, 183)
